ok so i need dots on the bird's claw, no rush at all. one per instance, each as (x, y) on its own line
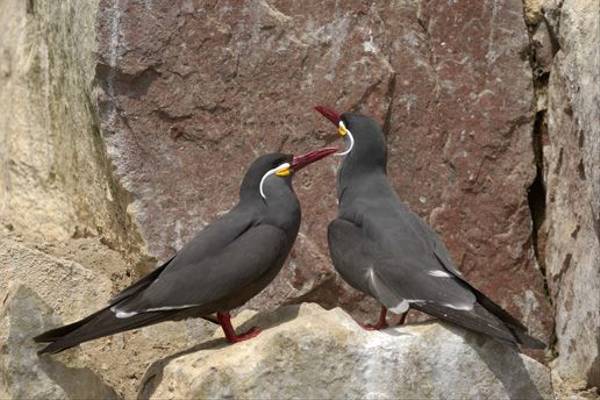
(374, 327)
(249, 334)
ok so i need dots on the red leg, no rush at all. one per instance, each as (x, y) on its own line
(403, 318)
(225, 321)
(381, 323)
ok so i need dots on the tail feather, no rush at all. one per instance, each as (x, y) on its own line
(485, 318)
(478, 319)
(55, 334)
(519, 330)
(102, 323)
(498, 311)
(527, 341)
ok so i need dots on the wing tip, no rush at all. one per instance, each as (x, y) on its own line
(51, 348)
(529, 342)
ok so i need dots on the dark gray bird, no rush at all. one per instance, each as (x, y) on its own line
(383, 249)
(224, 266)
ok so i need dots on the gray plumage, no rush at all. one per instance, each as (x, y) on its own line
(224, 266)
(382, 248)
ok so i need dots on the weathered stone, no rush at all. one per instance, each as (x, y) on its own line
(72, 291)
(192, 92)
(65, 286)
(37, 290)
(307, 352)
(565, 390)
(572, 179)
(55, 179)
(25, 376)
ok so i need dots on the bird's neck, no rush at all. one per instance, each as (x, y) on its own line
(355, 174)
(282, 209)
(356, 190)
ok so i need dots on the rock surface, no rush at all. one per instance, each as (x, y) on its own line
(192, 92)
(572, 178)
(55, 179)
(308, 352)
(36, 289)
(41, 292)
(126, 125)
(22, 374)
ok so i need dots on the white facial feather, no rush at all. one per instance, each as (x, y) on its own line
(268, 174)
(349, 135)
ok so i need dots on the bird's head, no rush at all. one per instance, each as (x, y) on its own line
(364, 138)
(276, 169)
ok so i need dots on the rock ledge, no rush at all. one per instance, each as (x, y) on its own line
(308, 352)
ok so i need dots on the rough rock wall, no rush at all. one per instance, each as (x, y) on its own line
(62, 212)
(55, 180)
(567, 37)
(53, 284)
(193, 91)
(190, 92)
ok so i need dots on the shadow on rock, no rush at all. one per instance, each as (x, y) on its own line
(506, 363)
(273, 319)
(33, 377)
(78, 383)
(153, 376)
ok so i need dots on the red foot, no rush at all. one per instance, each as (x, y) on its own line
(374, 327)
(402, 318)
(249, 334)
(225, 321)
(381, 323)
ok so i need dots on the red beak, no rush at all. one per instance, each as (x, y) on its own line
(330, 114)
(299, 162)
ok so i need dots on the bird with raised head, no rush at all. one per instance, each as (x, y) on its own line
(380, 247)
(220, 269)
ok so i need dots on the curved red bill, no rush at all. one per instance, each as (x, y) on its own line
(299, 162)
(330, 114)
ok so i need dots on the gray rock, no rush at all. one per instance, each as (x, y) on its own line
(308, 352)
(67, 287)
(24, 375)
(62, 291)
(572, 179)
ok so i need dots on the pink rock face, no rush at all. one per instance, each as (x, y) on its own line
(194, 91)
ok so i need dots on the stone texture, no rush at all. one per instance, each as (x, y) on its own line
(55, 179)
(37, 289)
(22, 374)
(40, 292)
(572, 178)
(193, 91)
(295, 358)
(190, 92)
(52, 279)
